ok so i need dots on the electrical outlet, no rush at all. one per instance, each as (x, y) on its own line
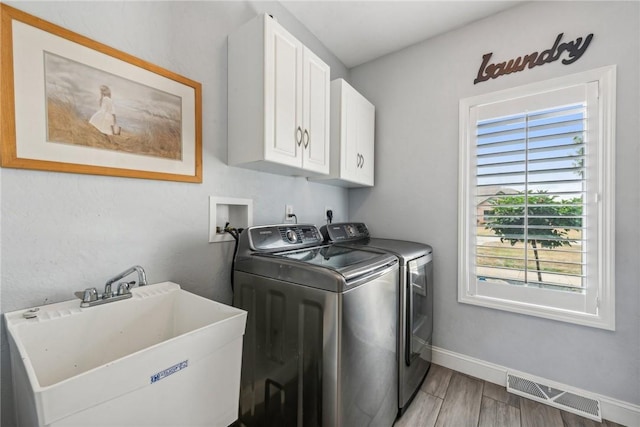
(288, 210)
(326, 215)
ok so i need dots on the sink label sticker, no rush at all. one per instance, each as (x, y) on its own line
(172, 370)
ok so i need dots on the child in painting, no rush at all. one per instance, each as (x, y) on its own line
(105, 119)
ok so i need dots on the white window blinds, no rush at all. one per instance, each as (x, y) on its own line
(530, 192)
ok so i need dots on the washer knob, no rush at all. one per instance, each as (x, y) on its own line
(292, 237)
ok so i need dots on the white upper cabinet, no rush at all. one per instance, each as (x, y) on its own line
(278, 99)
(316, 101)
(352, 137)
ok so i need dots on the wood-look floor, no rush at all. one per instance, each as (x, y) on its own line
(449, 398)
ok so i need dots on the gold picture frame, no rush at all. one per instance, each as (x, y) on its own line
(71, 104)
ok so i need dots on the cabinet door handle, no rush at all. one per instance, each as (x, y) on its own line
(308, 140)
(362, 162)
(299, 136)
(359, 160)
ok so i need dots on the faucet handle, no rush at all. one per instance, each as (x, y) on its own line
(90, 294)
(124, 287)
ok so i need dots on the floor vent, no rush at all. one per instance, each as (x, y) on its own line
(554, 396)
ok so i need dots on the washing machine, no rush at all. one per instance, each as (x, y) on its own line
(320, 346)
(415, 309)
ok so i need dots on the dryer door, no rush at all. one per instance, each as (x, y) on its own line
(420, 309)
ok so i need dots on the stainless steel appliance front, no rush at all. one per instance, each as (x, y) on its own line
(415, 310)
(416, 307)
(319, 349)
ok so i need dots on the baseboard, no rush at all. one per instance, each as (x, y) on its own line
(614, 410)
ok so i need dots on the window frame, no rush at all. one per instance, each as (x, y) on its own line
(526, 300)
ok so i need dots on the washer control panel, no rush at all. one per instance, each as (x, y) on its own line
(345, 231)
(285, 236)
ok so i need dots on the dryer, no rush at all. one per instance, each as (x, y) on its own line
(415, 309)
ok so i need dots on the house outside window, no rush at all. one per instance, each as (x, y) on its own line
(536, 199)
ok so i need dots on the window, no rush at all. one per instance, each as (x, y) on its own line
(536, 199)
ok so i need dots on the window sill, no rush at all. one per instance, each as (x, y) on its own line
(596, 321)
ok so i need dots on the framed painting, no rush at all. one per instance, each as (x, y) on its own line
(71, 104)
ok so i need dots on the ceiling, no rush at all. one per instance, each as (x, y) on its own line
(360, 31)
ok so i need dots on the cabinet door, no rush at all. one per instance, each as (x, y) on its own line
(315, 101)
(283, 96)
(350, 158)
(366, 129)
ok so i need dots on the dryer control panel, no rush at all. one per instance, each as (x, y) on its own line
(283, 237)
(344, 231)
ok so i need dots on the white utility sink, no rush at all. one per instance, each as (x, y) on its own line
(164, 357)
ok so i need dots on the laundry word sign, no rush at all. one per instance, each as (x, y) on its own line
(570, 51)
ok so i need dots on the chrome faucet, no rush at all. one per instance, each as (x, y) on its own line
(142, 277)
(90, 296)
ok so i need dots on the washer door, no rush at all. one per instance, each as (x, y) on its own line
(420, 309)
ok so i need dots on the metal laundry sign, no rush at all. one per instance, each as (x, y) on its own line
(571, 51)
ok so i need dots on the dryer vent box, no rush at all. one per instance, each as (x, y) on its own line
(222, 210)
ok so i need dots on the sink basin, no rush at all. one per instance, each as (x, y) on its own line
(164, 357)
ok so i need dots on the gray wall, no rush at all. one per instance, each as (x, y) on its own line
(416, 93)
(66, 232)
